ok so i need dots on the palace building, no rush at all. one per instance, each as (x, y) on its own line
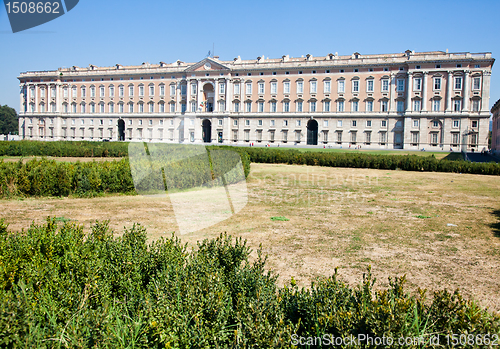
(412, 100)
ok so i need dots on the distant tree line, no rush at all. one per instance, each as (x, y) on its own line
(9, 121)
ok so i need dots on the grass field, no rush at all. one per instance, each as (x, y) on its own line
(311, 219)
(437, 155)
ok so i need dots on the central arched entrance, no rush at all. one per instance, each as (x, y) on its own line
(121, 130)
(207, 131)
(312, 132)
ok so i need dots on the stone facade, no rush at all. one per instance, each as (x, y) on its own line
(412, 100)
(495, 128)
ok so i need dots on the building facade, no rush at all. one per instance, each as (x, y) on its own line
(432, 100)
(495, 128)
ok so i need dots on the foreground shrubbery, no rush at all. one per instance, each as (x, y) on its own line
(62, 288)
(359, 160)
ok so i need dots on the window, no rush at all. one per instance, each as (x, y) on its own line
(314, 87)
(92, 107)
(101, 91)
(111, 108)
(247, 122)
(474, 123)
(383, 105)
(383, 137)
(339, 137)
(161, 107)
(353, 137)
(286, 107)
(73, 92)
(341, 86)
(172, 90)
(312, 106)
(285, 123)
(286, 87)
(247, 136)
(162, 90)
(248, 107)
(111, 91)
(400, 106)
(249, 88)
(151, 107)
(131, 108)
(273, 107)
(326, 106)
(434, 138)
(355, 106)
(325, 123)
(92, 91)
(84, 91)
(417, 84)
(53, 92)
(183, 89)
(437, 83)
(401, 85)
(141, 90)
(417, 104)
(121, 91)
(327, 87)
(120, 107)
(73, 107)
(414, 137)
(219, 122)
(457, 105)
(339, 123)
(456, 123)
(236, 107)
(151, 90)
(274, 87)
(141, 107)
(101, 107)
(340, 106)
(297, 136)
(83, 108)
(261, 107)
(369, 106)
(435, 123)
(354, 123)
(300, 87)
(368, 137)
(222, 88)
(458, 83)
(65, 91)
(236, 89)
(415, 122)
(355, 86)
(260, 86)
(222, 106)
(183, 107)
(385, 85)
(436, 105)
(475, 105)
(368, 123)
(476, 83)
(235, 122)
(369, 85)
(131, 91)
(272, 123)
(383, 123)
(259, 122)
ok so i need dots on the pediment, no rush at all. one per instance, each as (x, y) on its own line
(206, 64)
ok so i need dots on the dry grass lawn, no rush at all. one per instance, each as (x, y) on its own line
(395, 221)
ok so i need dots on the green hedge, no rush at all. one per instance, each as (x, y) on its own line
(61, 288)
(43, 177)
(359, 160)
(63, 148)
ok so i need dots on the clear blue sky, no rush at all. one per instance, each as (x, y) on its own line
(131, 32)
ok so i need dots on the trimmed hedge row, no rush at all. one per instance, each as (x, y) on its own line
(43, 177)
(357, 160)
(63, 148)
(60, 288)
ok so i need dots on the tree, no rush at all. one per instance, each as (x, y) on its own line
(9, 120)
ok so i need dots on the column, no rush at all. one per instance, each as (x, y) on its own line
(408, 93)
(424, 93)
(392, 103)
(178, 97)
(449, 84)
(485, 98)
(229, 95)
(216, 96)
(466, 91)
(199, 108)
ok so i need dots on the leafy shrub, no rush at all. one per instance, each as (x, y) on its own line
(62, 288)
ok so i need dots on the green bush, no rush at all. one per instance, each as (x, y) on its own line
(359, 160)
(60, 287)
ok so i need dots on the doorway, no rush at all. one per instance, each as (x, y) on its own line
(312, 132)
(207, 131)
